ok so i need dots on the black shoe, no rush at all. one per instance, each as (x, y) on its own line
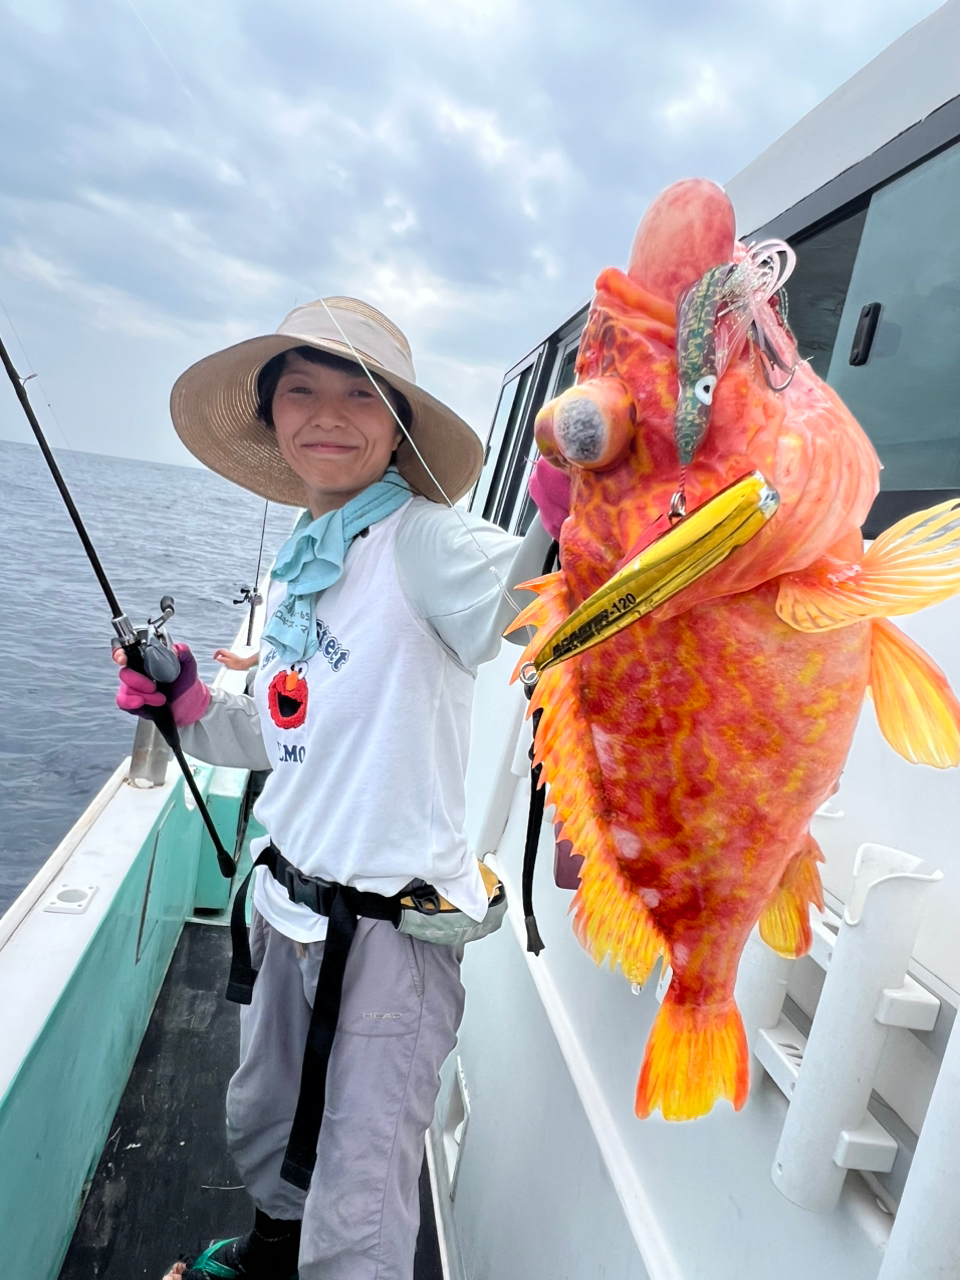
(268, 1252)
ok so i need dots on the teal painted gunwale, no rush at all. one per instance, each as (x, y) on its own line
(55, 1117)
(225, 803)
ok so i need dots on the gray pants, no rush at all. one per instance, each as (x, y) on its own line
(402, 1004)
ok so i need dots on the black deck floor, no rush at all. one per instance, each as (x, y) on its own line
(165, 1184)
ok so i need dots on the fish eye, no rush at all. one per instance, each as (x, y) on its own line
(703, 389)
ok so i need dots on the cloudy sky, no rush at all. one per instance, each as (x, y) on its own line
(175, 176)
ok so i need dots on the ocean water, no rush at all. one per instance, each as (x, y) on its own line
(159, 530)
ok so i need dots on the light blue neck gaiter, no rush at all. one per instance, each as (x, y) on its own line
(312, 559)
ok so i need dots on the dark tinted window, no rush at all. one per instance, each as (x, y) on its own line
(905, 396)
(501, 491)
(818, 287)
(500, 445)
(567, 371)
(517, 475)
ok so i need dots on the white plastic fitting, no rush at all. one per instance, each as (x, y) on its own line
(925, 1244)
(828, 1129)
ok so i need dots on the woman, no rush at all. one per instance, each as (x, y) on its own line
(383, 603)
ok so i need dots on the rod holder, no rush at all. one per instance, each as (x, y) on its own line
(149, 757)
(828, 1129)
(925, 1242)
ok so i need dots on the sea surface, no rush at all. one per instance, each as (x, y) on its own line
(159, 530)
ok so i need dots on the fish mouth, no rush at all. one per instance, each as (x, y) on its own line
(679, 557)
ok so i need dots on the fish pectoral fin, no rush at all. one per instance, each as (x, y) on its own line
(917, 711)
(913, 564)
(694, 1056)
(785, 920)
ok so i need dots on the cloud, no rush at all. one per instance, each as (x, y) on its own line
(177, 176)
(705, 95)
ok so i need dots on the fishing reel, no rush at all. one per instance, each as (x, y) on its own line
(149, 649)
(252, 598)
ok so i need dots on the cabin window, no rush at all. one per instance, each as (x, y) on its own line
(567, 370)
(564, 375)
(511, 459)
(513, 396)
(818, 287)
(501, 493)
(905, 394)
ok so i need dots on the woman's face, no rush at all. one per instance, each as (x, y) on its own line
(334, 430)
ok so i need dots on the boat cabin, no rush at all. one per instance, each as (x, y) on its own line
(844, 1161)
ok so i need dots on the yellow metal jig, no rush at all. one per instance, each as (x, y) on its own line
(692, 547)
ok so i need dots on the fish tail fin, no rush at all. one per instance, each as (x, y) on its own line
(913, 564)
(785, 922)
(609, 920)
(694, 1056)
(917, 711)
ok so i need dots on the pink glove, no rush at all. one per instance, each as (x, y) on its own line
(550, 490)
(189, 696)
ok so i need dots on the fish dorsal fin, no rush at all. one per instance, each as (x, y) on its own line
(917, 711)
(913, 564)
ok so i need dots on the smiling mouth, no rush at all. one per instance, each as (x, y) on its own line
(288, 707)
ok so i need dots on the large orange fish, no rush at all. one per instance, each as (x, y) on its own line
(687, 754)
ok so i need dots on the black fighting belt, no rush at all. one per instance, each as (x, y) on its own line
(342, 906)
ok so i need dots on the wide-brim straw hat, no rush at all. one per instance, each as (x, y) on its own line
(214, 405)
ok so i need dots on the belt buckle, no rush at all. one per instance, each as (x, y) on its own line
(308, 891)
(289, 883)
(299, 887)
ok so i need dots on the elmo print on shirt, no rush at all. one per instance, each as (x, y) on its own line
(287, 697)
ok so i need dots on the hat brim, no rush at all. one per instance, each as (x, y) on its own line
(214, 410)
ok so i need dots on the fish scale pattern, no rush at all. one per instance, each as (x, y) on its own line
(686, 754)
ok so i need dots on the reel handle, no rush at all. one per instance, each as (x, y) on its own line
(142, 657)
(145, 655)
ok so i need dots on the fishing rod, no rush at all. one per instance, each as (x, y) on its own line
(253, 597)
(148, 649)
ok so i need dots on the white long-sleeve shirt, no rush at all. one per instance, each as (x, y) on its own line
(367, 740)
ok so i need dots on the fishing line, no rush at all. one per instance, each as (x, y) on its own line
(179, 78)
(386, 400)
(263, 530)
(33, 375)
(505, 593)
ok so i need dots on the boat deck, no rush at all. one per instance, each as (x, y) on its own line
(165, 1183)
